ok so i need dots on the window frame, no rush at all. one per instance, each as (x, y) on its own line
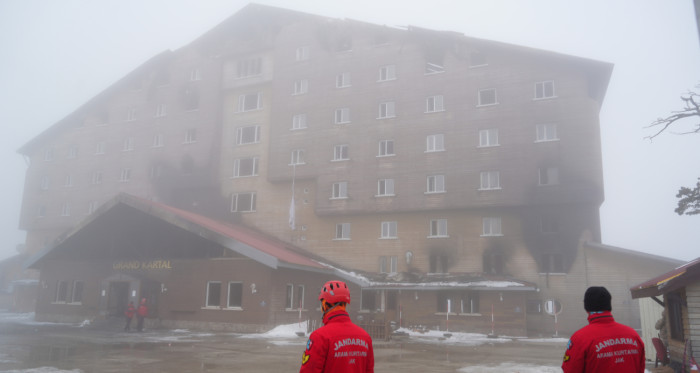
(542, 85)
(481, 98)
(491, 226)
(125, 175)
(548, 176)
(342, 116)
(387, 73)
(242, 135)
(487, 138)
(238, 166)
(545, 132)
(488, 182)
(389, 230)
(342, 232)
(76, 295)
(302, 53)
(158, 141)
(343, 80)
(301, 87)
(209, 293)
(190, 136)
(435, 143)
(435, 184)
(339, 190)
(299, 122)
(235, 202)
(341, 152)
(387, 110)
(298, 157)
(434, 104)
(239, 305)
(61, 295)
(384, 146)
(243, 102)
(385, 188)
(438, 228)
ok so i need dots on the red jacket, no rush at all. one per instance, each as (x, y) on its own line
(130, 311)
(143, 310)
(339, 346)
(604, 346)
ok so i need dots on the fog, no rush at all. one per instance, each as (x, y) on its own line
(54, 56)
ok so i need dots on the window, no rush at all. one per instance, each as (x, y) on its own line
(388, 264)
(213, 294)
(190, 136)
(548, 176)
(342, 231)
(368, 300)
(235, 294)
(490, 180)
(100, 147)
(131, 115)
(190, 99)
(389, 229)
(387, 72)
(300, 297)
(340, 152)
(41, 211)
(96, 177)
(534, 306)
(77, 293)
(92, 206)
(72, 152)
(195, 75)
(470, 303)
(128, 144)
(439, 263)
(438, 228)
(434, 104)
(302, 53)
(65, 209)
(249, 67)
(491, 227)
(493, 263)
(161, 110)
(247, 135)
(243, 167)
(387, 110)
(301, 86)
(297, 157)
(125, 175)
(299, 121)
(386, 148)
(477, 59)
(434, 63)
(243, 202)
(458, 302)
(544, 90)
(342, 80)
(48, 155)
(156, 171)
(435, 143)
(385, 187)
(340, 190)
(44, 183)
(436, 184)
(488, 137)
(68, 182)
(343, 44)
(342, 115)
(552, 263)
(487, 97)
(675, 315)
(158, 141)
(61, 292)
(289, 299)
(248, 102)
(546, 132)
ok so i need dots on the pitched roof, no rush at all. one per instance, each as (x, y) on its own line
(257, 246)
(669, 281)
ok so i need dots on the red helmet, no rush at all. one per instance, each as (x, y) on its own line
(334, 292)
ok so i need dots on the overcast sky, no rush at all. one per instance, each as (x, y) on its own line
(55, 55)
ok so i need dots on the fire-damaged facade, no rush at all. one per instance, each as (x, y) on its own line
(200, 273)
(448, 178)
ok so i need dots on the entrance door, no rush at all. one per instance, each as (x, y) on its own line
(117, 298)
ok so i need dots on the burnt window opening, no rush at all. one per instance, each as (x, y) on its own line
(493, 264)
(534, 306)
(434, 62)
(439, 263)
(213, 294)
(459, 302)
(368, 301)
(343, 44)
(190, 99)
(552, 263)
(477, 58)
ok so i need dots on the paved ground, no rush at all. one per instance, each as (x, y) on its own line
(27, 347)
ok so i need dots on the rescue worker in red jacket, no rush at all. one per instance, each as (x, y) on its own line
(141, 314)
(338, 346)
(603, 345)
(129, 313)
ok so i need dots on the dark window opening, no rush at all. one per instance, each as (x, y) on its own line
(439, 263)
(675, 316)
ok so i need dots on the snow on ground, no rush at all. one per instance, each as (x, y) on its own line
(283, 334)
(443, 337)
(510, 367)
(44, 370)
(22, 318)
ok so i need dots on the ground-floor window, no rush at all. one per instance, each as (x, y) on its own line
(77, 293)
(675, 315)
(61, 292)
(213, 294)
(368, 301)
(235, 294)
(458, 302)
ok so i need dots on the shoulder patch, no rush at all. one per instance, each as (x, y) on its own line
(308, 344)
(566, 358)
(305, 358)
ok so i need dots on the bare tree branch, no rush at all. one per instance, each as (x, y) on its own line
(691, 109)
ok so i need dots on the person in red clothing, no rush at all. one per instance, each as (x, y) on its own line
(338, 346)
(604, 345)
(129, 313)
(141, 314)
